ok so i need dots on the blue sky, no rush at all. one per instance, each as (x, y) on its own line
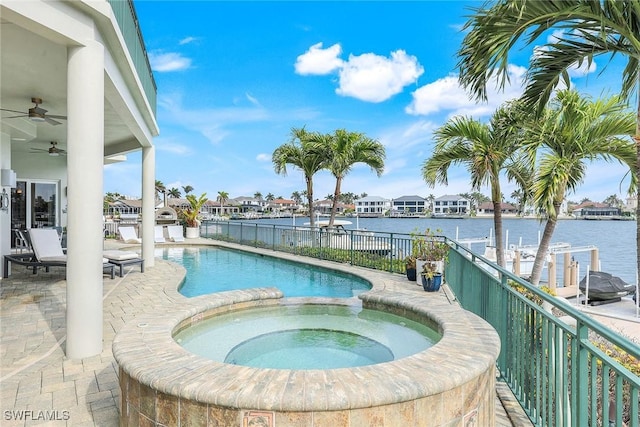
(235, 77)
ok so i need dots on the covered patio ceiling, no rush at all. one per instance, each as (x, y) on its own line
(34, 65)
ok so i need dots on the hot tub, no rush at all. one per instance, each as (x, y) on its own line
(451, 383)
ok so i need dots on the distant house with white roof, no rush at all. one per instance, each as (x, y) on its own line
(451, 204)
(372, 206)
(250, 204)
(283, 206)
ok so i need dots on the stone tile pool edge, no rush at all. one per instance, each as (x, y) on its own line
(157, 373)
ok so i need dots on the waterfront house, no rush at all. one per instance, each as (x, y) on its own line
(408, 205)
(323, 207)
(76, 85)
(588, 210)
(451, 204)
(282, 206)
(250, 204)
(372, 206)
(486, 208)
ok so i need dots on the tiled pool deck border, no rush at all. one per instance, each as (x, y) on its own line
(448, 384)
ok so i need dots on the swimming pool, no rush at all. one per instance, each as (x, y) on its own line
(211, 270)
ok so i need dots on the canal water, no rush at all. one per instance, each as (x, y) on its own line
(616, 240)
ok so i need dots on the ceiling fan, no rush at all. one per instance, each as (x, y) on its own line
(52, 151)
(37, 114)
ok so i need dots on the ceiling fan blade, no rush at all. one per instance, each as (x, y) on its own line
(38, 110)
(54, 116)
(51, 121)
(13, 117)
(13, 111)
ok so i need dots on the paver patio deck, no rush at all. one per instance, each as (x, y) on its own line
(40, 386)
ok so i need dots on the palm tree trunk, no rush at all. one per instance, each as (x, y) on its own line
(497, 223)
(334, 205)
(496, 195)
(545, 242)
(310, 200)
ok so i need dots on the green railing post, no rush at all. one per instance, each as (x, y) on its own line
(582, 370)
(391, 246)
(255, 237)
(351, 247)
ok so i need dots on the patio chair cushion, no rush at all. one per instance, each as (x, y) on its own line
(46, 244)
(119, 255)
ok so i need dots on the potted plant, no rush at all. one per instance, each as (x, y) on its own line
(410, 267)
(431, 277)
(191, 215)
(428, 247)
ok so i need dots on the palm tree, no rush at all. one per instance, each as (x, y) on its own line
(192, 213)
(572, 131)
(591, 28)
(222, 198)
(296, 196)
(345, 149)
(187, 189)
(613, 200)
(485, 149)
(160, 188)
(257, 195)
(300, 153)
(174, 193)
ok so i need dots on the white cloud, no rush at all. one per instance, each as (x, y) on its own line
(188, 40)
(447, 94)
(218, 123)
(375, 78)
(170, 61)
(172, 147)
(253, 100)
(263, 157)
(582, 70)
(319, 61)
(574, 70)
(368, 77)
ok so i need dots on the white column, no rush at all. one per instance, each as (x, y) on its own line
(148, 204)
(85, 153)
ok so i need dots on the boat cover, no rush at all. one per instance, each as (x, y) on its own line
(604, 286)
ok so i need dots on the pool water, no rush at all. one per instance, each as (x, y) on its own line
(212, 270)
(307, 336)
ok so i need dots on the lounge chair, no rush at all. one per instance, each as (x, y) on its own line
(128, 234)
(22, 241)
(175, 233)
(159, 234)
(123, 258)
(47, 252)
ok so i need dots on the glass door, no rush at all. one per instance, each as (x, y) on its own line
(18, 209)
(43, 198)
